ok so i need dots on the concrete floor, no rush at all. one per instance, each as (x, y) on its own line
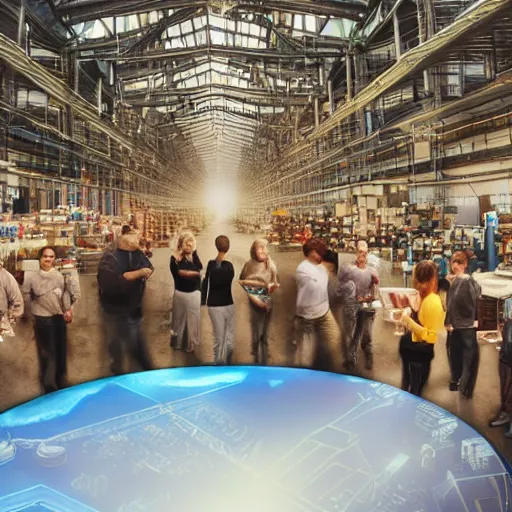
(88, 357)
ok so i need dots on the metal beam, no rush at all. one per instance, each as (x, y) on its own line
(129, 41)
(208, 91)
(350, 9)
(416, 60)
(87, 10)
(223, 51)
(14, 57)
(241, 91)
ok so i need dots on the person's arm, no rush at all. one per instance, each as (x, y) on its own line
(204, 285)
(231, 272)
(110, 280)
(448, 317)
(476, 294)
(433, 320)
(274, 278)
(375, 276)
(177, 272)
(73, 287)
(197, 261)
(345, 288)
(14, 296)
(243, 273)
(146, 263)
(26, 292)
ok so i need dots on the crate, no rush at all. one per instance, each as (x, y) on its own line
(490, 313)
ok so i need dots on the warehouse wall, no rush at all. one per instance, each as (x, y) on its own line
(467, 196)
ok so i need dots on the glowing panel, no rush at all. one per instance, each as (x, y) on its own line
(243, 439)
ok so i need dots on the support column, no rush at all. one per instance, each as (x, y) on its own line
(297, 124)
(321, 75)
(100, 95)
(317, 111)
(396, 32)
(331, 97)
(77, 74)
(422, 37)
(348, 66)
(357, 74)
(21, 24)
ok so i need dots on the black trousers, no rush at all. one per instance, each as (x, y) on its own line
(464, 357)
(51, 334)
(124, 334)
(505, 387)
(416, 360)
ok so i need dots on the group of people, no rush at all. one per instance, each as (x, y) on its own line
(334, 309)
(333, 312)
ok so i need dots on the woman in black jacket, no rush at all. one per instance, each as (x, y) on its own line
(186, 270)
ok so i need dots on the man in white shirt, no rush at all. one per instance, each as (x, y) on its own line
(315, 326)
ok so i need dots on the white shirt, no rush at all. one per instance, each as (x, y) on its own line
(312, 294)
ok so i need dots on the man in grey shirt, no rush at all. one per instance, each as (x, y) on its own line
(461, 323)
(11, 299)
(355, 290)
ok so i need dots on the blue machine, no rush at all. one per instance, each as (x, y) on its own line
(248, 439)
(491, 225)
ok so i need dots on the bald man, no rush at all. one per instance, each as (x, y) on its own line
(355, 290)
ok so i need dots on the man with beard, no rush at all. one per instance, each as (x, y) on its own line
(356, 283)
(122, 277)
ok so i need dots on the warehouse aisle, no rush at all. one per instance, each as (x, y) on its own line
(88, 355)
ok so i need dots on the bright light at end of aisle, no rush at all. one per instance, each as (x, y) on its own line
(220, 199)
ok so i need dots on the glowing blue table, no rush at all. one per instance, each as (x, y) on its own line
(247, 440)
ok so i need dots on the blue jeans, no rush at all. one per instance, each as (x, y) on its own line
(124, 334)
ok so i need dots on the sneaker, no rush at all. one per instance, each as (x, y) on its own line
(500, 420)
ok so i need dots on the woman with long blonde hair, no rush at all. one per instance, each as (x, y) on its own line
(186, 270)
(260, 271)
(424, 324)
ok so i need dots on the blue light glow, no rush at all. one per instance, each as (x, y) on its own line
(243, 439)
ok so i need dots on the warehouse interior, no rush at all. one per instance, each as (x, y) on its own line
(388, 121)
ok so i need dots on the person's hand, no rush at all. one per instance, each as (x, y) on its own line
(375, 280)
(406, 313)
(272, 287)
(145, 273)
(68, 316)
(449, 328)
(475, 324)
